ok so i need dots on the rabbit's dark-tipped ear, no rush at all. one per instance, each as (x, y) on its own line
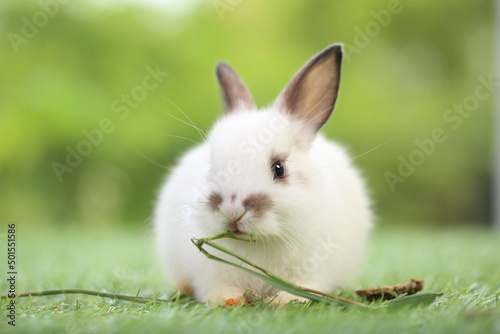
(311, 94)
(234, 91)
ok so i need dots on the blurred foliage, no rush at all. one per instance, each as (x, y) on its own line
(80, 57)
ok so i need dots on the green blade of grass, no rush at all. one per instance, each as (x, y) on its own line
(282, 284)
(277, 283)
(135, 299)
(269, 277)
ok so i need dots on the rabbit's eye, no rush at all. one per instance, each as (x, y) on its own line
(278, 170)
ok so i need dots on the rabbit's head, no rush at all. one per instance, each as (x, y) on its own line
(262, 178)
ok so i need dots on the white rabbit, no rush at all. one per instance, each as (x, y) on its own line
(267, 173)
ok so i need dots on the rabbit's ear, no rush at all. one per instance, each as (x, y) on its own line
(311, 94)
(234, 91)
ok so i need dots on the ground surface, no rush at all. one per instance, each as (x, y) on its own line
(463, 264)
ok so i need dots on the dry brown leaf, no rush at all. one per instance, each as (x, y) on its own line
(392, 291)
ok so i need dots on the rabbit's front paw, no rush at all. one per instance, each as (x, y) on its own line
(220, 295)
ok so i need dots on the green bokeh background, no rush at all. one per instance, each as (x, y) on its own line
(401, 74)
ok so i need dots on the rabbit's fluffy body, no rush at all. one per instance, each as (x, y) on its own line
(310, 224)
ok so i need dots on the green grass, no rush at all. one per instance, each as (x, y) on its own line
(463, 264)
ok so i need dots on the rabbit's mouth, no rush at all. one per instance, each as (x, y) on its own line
(235, 227)
(238, 232)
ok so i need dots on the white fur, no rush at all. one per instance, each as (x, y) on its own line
(315, 233)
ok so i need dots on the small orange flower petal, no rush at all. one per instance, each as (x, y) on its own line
(231, 302)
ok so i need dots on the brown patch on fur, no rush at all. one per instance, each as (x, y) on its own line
(259, 203)
(185, 287)
(214, 200)
(233, 197)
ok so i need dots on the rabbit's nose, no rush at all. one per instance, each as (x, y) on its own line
(233, 213)
(229, 207)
